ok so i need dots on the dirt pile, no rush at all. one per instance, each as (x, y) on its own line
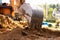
(7, 23)
(12, 30)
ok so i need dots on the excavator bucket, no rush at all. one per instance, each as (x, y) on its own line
(37, 17)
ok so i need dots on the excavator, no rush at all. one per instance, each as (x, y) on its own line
(36, 18)
(8, 15)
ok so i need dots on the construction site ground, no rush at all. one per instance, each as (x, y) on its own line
(30, 34)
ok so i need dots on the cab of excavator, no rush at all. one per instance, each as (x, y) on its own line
(5, 9)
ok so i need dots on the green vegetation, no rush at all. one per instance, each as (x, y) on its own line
(50, 20)
(50, 11)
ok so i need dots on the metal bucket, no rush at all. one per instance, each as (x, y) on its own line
(37, 18)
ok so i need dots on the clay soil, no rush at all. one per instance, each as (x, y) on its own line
(30, 34)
